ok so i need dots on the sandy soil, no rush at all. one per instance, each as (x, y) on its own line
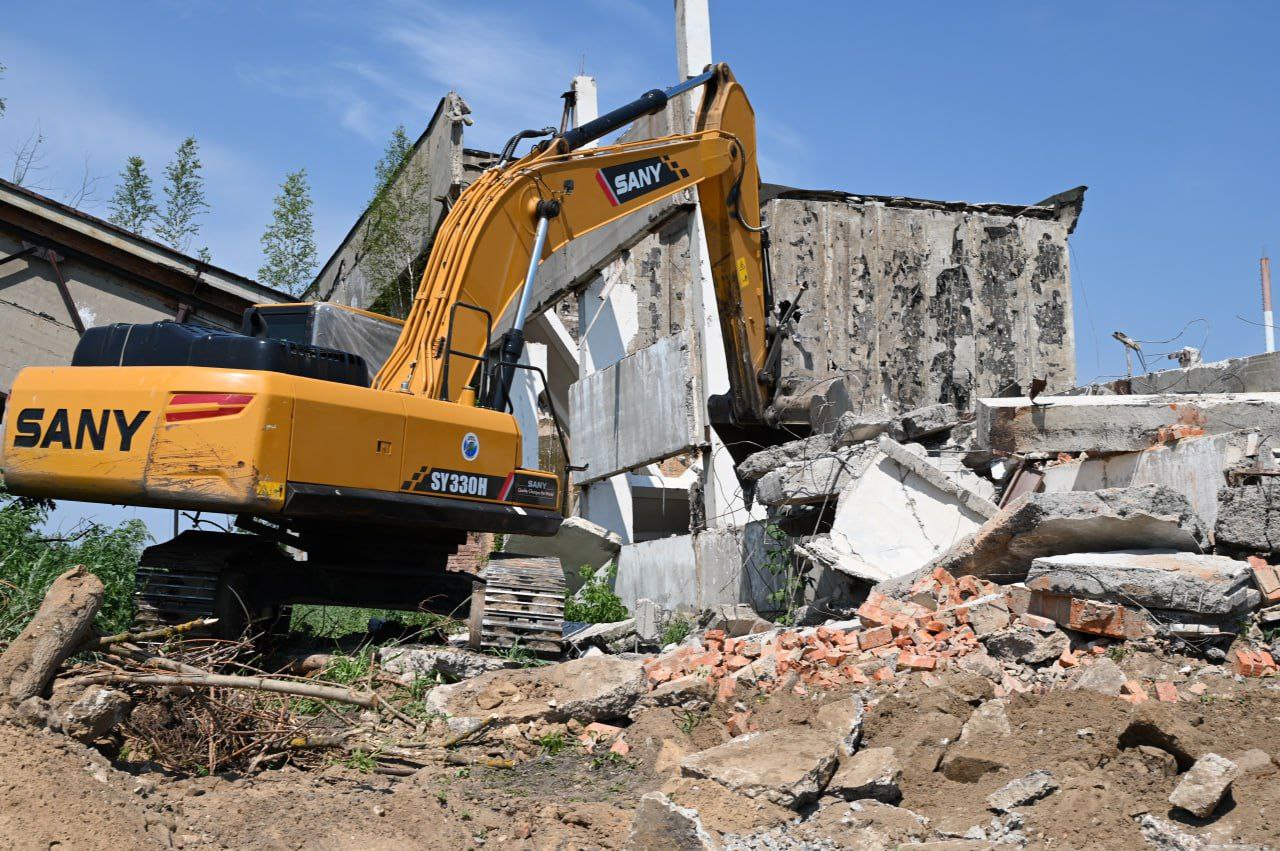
(58, 793)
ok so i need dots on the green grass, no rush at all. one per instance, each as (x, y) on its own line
(676, 630)
(30, 560)
(337, 621)
(552, 743)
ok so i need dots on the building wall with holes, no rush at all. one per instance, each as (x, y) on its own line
(36, 326)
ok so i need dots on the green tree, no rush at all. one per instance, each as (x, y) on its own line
(30, 560)
(289, 243)
(133, 206)
(184, 197)
(397, 227)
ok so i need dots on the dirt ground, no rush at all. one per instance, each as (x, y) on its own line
(55, 792)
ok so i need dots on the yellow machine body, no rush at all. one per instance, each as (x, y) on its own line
(242, 442)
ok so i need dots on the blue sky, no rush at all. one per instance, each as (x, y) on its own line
(1167, 110)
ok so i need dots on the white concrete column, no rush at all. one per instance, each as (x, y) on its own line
(722, 495)
(525, 389)
(586, 105)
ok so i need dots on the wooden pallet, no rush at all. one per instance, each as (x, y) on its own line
(519, 602)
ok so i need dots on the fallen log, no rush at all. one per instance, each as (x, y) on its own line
(319, 692)
(59, 628)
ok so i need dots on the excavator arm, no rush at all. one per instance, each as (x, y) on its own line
(487, 249)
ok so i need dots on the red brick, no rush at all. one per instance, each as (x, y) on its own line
(620, 747)
(739, 723)
(1133, 691)
(1037, 622)
(1068, 659)
(883, 674)
(725, 689)
(913, 662)
(877, 637)
(1268, 579)
(735, 663)
(873, 615)
(1166, 692)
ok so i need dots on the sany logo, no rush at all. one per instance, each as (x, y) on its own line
(630, 180)
(90, 431)
(470, 446)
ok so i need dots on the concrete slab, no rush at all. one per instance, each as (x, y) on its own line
(577, 543)
(1046, 524)
(896, 515)
(1119, 423)
(698, 571)
(1253, 374)
(1194, 466)
(1149, 579)
(1249, 517)
(642, 409)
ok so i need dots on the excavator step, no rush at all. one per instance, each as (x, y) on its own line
(519, 602)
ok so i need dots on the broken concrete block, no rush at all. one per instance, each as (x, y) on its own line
(788, 765)
(1096, 424)
(1151, 579)
(694, 572)
(1023, 791)
(870, 773)
(1103, 676)
(596, 688)
(1195, 467)
(577, 543)
(736, 619)
(661, 825)
(1249, 517)
(815, 479)
(1203, 787)
(1022, 643)
(618, 633)
(843, 718)
(919, 512)
(1045, 524)
(414, 661)
(755, 466)
(89, 714)
(988, 720)
(924, 422)
(648, 620)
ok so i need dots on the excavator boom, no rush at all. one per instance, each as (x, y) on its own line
(516, 215)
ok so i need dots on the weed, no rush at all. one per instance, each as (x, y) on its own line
(521, 656)
(552, 743)
(676, 630)
(442, 798)
(337, 621)
(361, 761)
(462, 773)
(688, 720)
(595, 602)
(347, 670)
(788, 578)
(1117, 652)
(611, 758)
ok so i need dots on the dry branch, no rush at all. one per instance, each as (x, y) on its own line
(318, 692)
(149, 634)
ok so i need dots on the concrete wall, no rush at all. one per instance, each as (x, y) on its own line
(639, 410)
(36, 328)
(924, 302)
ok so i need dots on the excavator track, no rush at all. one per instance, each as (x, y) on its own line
(518, 601)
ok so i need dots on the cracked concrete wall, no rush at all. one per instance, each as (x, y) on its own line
(923, 303)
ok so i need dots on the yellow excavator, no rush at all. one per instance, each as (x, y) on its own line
(376, 481)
